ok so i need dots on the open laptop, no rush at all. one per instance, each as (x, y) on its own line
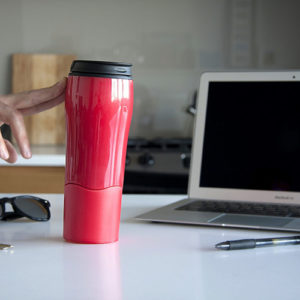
(245, 166)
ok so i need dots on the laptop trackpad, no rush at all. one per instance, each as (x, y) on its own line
(250, 220)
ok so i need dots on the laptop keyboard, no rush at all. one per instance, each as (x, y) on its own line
(279, 210)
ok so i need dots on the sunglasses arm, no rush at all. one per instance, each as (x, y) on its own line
(10, 216)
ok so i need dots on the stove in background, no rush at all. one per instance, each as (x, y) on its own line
(158, 166)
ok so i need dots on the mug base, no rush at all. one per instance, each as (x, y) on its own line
(91, 216)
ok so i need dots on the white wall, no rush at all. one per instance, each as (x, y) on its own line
(10, 39)
(170, 42)
(278, 34)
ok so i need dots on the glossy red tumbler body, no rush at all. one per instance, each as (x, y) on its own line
(98, 115)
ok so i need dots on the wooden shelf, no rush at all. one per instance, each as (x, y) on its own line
(29, 179)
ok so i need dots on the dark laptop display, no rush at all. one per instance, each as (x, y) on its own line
(252, 136)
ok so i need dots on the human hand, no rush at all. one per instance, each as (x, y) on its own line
(12, 109)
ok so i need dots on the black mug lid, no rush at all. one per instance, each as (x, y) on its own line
(100, 69)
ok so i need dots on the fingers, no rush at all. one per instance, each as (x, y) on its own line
(3, 150)
(7, 151)
(42, 106)
(19, 131)
(13, 156)
(15, 119)
(12, 108)
(36, 97)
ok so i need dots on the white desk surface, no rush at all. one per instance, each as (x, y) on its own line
(150, 261)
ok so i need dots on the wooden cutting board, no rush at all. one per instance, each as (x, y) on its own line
(35, 71)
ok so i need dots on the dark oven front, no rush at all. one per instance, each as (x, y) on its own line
(158, 166)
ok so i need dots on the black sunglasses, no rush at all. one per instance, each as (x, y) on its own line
(34, 208)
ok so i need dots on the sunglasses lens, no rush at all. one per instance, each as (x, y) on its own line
(32, 207)
(1, 210)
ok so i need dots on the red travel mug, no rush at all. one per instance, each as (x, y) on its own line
(99, 103)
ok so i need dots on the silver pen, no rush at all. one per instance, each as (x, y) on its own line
(254, 243)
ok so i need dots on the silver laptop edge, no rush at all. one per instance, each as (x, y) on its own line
(170, 214)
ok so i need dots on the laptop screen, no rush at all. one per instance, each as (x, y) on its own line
(252, 136)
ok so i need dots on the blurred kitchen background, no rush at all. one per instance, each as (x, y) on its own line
(170, 43)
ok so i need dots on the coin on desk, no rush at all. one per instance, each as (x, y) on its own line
(5, 246)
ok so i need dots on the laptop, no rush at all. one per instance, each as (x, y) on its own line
(245, 164)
